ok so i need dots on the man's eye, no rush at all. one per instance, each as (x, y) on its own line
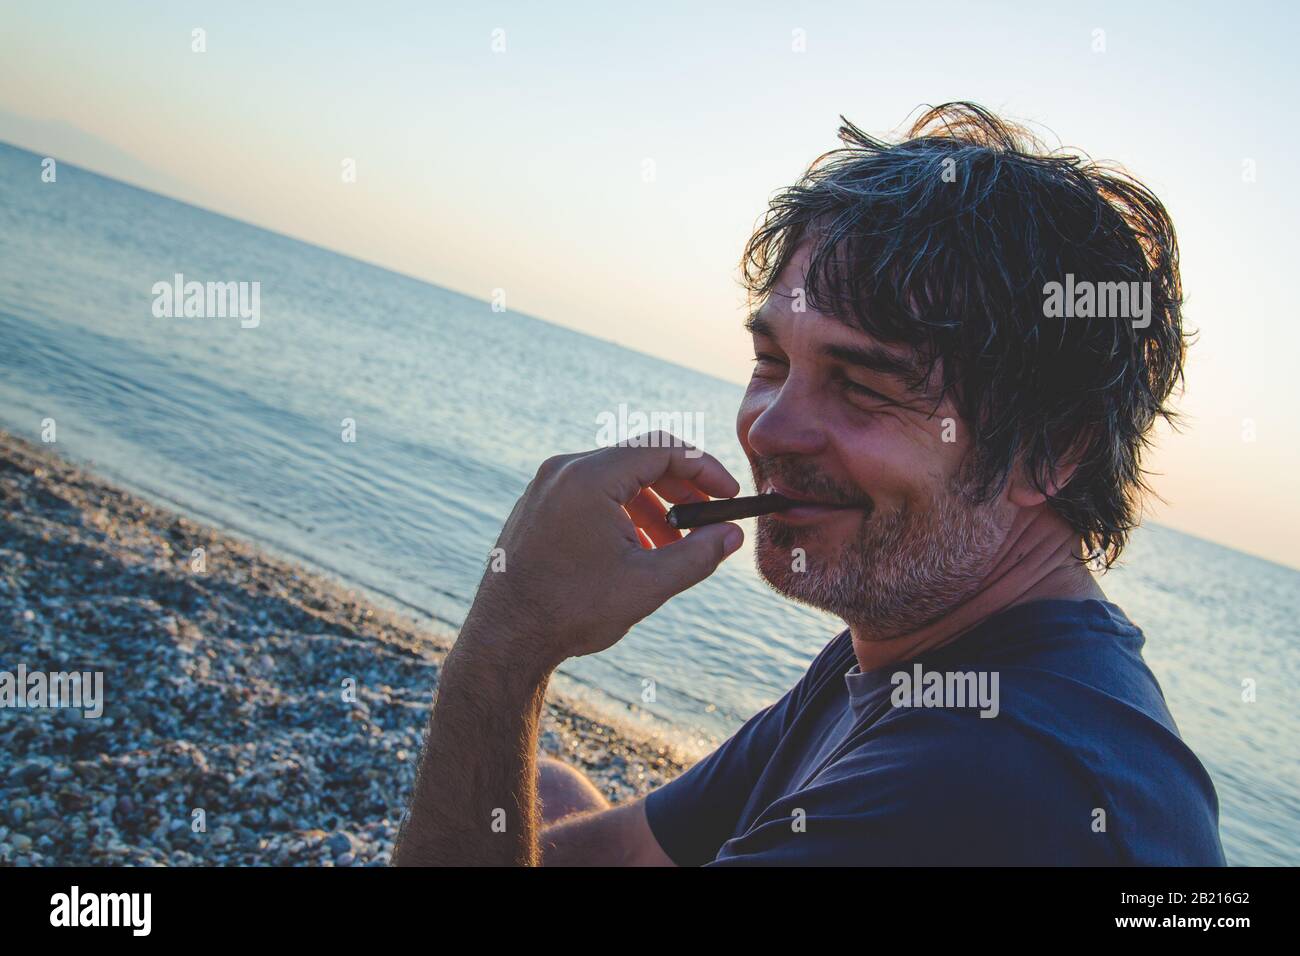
(853, 387)
(762, 360)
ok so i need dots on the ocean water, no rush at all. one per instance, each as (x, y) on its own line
(454, 407)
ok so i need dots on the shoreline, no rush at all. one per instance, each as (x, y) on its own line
(229, 734)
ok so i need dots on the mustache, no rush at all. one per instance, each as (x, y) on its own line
(803, 478)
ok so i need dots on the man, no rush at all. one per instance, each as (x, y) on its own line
(961, 348)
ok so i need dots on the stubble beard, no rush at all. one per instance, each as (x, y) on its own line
(903, 570)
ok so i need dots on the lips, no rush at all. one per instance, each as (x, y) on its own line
(770, 486)
(813, 510)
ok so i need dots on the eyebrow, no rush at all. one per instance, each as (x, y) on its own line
(873, 359)
(758, 325)
(870, 357)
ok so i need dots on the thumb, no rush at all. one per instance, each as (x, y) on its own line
(687, 562)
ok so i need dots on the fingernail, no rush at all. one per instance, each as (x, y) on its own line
(733, 540)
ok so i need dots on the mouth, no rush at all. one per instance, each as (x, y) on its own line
(809, 509)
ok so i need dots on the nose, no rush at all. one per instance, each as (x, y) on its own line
(788, 425)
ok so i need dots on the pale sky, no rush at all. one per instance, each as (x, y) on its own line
(525, 169)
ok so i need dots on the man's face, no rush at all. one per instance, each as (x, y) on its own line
(829, 418)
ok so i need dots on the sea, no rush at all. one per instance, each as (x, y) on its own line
(451, 406)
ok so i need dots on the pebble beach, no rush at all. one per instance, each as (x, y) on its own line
(254, 712)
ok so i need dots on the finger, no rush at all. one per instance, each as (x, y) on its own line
(648, 514)
(645, 541)
(624, 470)
(689, 561)
(678, 490)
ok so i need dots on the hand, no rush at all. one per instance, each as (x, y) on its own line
(578, 570)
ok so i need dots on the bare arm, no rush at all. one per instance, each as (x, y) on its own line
(619, 836)
(475, 800)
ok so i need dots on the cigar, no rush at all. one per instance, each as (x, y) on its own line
(682, 517)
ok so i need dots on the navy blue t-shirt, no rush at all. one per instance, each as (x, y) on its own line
(1078, 763)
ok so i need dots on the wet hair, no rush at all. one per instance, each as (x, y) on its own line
(948, 242)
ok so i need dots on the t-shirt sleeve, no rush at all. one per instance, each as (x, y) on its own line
(693, 815)
(939, 791)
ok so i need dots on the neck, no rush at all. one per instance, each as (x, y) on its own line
(1036, 562)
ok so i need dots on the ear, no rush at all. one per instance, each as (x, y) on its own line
(1021, 491)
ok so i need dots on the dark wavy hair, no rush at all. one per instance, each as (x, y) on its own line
(946, 242)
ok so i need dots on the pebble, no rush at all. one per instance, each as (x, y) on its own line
(28, 773)
(339, 844)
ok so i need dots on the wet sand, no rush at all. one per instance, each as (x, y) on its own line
(228, 733)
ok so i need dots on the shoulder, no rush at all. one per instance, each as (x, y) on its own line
(941, 788)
